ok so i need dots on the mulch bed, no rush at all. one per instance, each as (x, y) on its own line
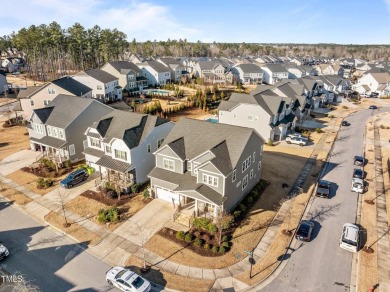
(46, 172)
(99, 197)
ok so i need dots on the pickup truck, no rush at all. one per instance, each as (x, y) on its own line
(323, 189)
(301, 141)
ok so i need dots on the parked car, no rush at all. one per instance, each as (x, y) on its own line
(304, 230)
(323, 189)
(357, 185)
(345, 123)
(295, 135)
(3, 252)
(358, 173)
(127, 280)
(301, 141)
(374, 95)
(74, 178)
(358, 160)
(350, 238)
(373, 107)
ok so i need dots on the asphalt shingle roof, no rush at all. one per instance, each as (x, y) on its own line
(126, 66)
(157, 66)
(250, 68)
(100, 75)
(26, 93)
(73, 86)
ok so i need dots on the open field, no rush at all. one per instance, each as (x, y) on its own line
(12, 140)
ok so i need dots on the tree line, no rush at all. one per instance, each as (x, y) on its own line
(53, 51)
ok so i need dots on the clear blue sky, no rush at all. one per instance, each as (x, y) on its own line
(281, 21)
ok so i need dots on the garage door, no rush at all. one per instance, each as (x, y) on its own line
(167, 195)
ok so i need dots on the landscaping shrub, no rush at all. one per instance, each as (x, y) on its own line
(47, 163)
(135, 188)
(198, 242)
(206, 237)
(201, 223)
(44, 183)
(225, 244)
(188, 237)
(222, 249)
(242, 207)
(196, 233)
(236, 213)
(318, 130)
(249, 199)
(227, 221)
(214, 249)
(225, 238)
(255, 193)
(207, 246)
(212, 228)
(180, 235)
(331, 116)
(345, 107)
(66, 164)
(146, 193)
(108, 215)
(270, 142)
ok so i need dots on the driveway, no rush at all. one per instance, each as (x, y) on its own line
(17, 160)
(146, 222)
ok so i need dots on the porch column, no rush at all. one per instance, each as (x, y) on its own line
(215, 211)
(100, 171)
(196, 208)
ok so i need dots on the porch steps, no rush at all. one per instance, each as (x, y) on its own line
(183, 218)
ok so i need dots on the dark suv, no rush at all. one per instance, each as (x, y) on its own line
(74, 178)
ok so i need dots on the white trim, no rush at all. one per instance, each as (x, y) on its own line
(169, 160)
(202, 154)
(149, 148)
(214, 180)
(234, 175)
(247, 181)
(71, 147)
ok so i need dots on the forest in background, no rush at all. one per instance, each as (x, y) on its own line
(53, 51)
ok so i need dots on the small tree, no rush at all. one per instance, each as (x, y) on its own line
(222, 95)
(62, 203)
(214, 97)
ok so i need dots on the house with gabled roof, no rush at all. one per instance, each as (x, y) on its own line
(35, 97)
(270, 114)
(248, 73)
(373, 82)
(57, 130)
(210, 71)
(3, 81)
(120, 146)
(105, 86)
(206, 167)
(177, 69)
(274, 73)
(156, 73)
(129, 75)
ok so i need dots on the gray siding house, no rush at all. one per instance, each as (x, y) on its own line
(120, 146)
(206, 166)
(57, 130)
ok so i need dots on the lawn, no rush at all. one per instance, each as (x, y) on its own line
(169, 280)
(86, 206)
(12, 140)
(192, 113)
(14, 195)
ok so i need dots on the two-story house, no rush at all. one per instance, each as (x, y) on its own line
(120, 146)
(3, 81)
(373, 82)
(269, 114)
(207, 167)
(274, 73)
(177, 69)
(105, 87)
(57, 130)
(35, 97)
(129, 75)
(248, 73)
(210, 71)
(295, 71)
(156, 73)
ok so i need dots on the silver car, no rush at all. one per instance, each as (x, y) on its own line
(127, 280)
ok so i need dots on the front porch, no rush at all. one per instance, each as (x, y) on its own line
(57, 154)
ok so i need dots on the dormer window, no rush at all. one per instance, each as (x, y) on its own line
(168, 164)
(210, 180)
(94, 142)
(51, 90)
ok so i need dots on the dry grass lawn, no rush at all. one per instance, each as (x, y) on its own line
(12, 140)
(19, 80)
(29, 181)
(191, 113)
(89, 208)
(75, 230)
(170, 280)
(14, 196)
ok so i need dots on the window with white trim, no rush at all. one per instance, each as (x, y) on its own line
(49, 132)
(55, 133)
(250, 117)
(238, 184)
(245, 182)
(38, 128)
(149, 148)
(61, 134)
(94, 142)
(234, 176)
(99, 87)
(251, 174)
(168, 164)
(189, 166)
(85, 144)
(159, 142)
(210, 180)
(120, 154)
(108, 149)
(259, 166)
(254, 155)
(71, 150)
(51, 90)
(31, 102)
(246, 163)
(45, 102)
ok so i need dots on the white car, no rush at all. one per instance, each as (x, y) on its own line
(350, 238)
(301, 141)
(295, 135)
(357, 185)
(3, 252)
(127, 280)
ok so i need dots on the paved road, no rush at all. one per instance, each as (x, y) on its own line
(49, 260)
(321, 265)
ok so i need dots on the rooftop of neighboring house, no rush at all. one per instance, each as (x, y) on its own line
(208, 65)
(26, 93)
(290, 89)
(63, 109)
(130, 127)
(73, 86)
(250, 68)
(275, 68)
(157, 66)
(330, 79)
(170, 61)
(310, 82)
(191, 138)
(99, 75)
(125, 66)
(383, 77)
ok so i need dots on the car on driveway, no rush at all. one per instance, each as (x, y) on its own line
(358, 160)
(358, 173)
(301, 141)
(127, 280)
(323, 189)
(74, 178)
(350, 238)
(295, 135)
(373, 107)
(345, 123)
(3, 252)
(304, 230)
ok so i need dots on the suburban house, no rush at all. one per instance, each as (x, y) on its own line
(105, 86)
(177, 69)
(295, 71)
(274, 73)
(120, 146)
(312, 87)
(57, 130)
(156, 73)
(373, 82)
(129, 75)
(3, 82)
(206, 167)
(248, 73)
(269, 114)
(35, 97)
(210, 71)
(362, 68)
(12, 64)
